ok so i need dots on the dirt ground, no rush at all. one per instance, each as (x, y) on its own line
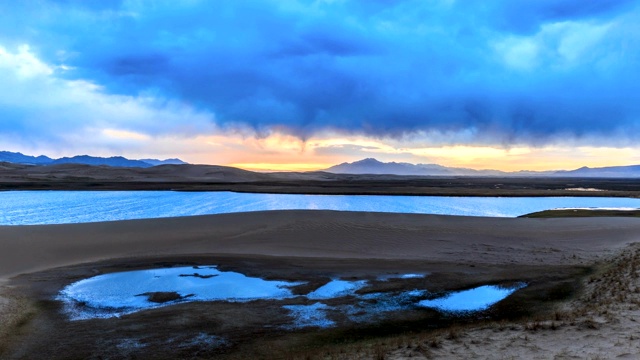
(581, 299)
(258, 329)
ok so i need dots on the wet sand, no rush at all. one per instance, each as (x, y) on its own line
(36, 261)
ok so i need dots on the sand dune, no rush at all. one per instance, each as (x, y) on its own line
(319, 234)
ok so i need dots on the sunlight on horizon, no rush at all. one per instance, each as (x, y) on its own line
(550, 94)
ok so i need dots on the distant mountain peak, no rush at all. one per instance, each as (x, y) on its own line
(375, 167)
(119, 161)
(368, 161)
(19, 158)
(172, 161)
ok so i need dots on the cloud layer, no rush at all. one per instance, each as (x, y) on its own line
(496, 72)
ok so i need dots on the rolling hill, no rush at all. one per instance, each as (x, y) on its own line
(116, 161)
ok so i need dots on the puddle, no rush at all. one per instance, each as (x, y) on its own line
(116, 294)
(376, 305)
(400, 276)
(411, 276)
(477, 299)
(337, 288)
(313, 315)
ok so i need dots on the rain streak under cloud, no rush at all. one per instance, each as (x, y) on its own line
(473, 73)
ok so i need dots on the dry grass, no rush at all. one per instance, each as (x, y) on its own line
(583, 327)
(16, 313)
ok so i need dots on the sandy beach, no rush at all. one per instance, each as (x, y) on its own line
(37, 261)
(321, 234)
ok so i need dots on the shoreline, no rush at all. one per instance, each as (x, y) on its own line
(373, 192)
(220, 178)
(324, 189)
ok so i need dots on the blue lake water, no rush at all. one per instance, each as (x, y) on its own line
(58, 207)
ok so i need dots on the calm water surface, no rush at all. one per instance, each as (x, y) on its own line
(58, 207)
(121, 293)
(479, 298)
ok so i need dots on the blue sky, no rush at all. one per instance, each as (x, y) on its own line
(267, 81)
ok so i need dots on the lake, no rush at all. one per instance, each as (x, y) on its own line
(59, 207)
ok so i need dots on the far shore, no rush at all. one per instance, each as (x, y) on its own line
(221, 178)
(302, 189)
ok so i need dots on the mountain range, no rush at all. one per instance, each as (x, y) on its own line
(373, 166)
(366, 166)
(117, 161)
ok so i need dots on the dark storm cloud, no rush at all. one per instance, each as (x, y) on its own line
(510, 70)
(526, 16)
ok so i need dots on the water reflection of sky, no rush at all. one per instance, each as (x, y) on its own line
(56, 207)
(476, 299)
(336, 288)
(120, 293)
(117, 294)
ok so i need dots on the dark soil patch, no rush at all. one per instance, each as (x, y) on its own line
(161, 297)
(258, 329)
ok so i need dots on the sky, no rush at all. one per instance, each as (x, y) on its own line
(305, 84)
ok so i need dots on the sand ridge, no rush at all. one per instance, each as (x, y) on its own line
(320, 234)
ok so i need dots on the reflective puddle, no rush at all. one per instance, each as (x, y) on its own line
(337, 288)
(117, 294)
(314, 315)
(480, 298)
(400, 276)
